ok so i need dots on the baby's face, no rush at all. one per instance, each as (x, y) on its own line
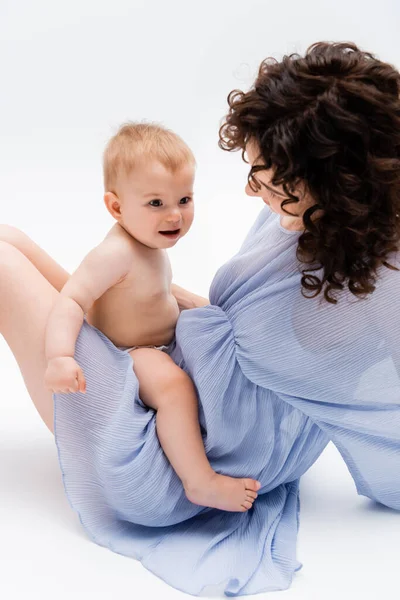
(157, 204)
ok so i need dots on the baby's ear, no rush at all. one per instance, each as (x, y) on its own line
(113, 205)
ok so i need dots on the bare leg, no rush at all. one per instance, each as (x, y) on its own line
(47, 266)
(26, 300)
(170, 391)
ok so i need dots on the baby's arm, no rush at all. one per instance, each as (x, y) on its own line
(102, 268)
(187, 299)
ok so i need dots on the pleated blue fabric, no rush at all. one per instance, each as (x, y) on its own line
(278, 376)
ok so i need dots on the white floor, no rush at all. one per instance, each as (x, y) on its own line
(350, 548)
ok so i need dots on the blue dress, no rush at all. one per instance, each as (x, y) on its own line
(278, 376)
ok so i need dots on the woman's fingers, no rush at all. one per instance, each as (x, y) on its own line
(81, 382)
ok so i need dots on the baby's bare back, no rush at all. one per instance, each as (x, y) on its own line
(139, 310)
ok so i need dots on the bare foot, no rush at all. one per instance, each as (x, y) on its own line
(224, 493)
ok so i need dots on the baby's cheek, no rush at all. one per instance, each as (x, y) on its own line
(189, 219)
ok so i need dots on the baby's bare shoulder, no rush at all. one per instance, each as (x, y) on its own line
(112, 255)
(120, 240)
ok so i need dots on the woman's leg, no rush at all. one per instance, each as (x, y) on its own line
(47, 266)
(26, 300)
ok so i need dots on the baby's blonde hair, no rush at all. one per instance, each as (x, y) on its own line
(135, 142)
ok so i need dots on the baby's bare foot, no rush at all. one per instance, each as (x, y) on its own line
(224, 493)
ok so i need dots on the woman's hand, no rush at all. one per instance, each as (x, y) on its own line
(64, 375)
(186, 299)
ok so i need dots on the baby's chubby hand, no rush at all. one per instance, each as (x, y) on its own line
(63, 375)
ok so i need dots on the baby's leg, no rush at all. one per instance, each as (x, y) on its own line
(48, 267)
(166, 388)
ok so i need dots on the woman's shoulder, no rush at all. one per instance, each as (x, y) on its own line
(263, 216)
(268, 224)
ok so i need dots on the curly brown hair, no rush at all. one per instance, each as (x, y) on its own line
(330, 120)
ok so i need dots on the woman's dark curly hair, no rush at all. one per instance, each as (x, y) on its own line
(331, 121)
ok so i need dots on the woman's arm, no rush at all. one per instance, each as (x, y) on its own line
(187, 299)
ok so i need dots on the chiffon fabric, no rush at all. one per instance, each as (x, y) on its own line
(278, 376)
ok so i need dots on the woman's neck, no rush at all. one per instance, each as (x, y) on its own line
(292, 223)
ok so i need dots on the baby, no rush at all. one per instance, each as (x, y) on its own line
(124, 288)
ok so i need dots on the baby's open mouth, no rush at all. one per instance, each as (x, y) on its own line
(170, 233)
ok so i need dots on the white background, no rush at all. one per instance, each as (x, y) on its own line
(70, 73)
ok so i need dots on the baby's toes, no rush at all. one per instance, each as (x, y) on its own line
(249, 499)
(247, 504)
(252, 485)
(251, 495)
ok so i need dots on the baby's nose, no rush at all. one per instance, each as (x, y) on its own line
(174, 217)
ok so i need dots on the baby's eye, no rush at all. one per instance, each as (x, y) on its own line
(155, 203)
(185, 200)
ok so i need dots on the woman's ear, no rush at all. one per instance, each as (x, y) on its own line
(113, 205)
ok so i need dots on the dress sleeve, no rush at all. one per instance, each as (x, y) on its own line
(340, 366)
(368, 439)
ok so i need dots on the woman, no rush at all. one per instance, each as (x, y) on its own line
(297, 347)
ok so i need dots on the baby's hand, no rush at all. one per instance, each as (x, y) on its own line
(63, 375)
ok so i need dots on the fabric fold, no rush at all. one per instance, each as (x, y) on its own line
(277, 376)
